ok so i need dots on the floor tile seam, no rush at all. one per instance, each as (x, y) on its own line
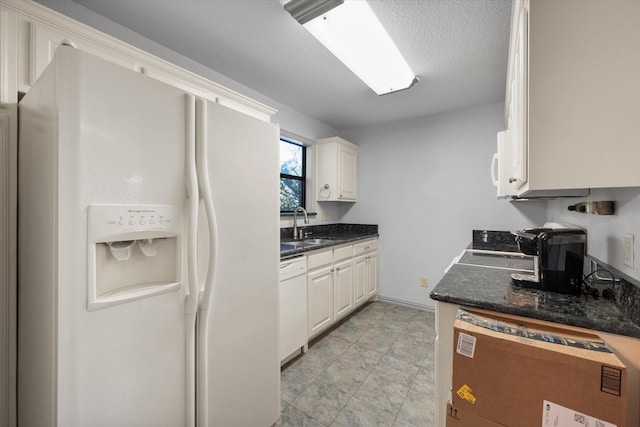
(340, 411)
(387, 353)
(315, 377)
(312, 417)
(408, 421)
(369, 374)
(366, 403)
(413, 382)
(374, 405)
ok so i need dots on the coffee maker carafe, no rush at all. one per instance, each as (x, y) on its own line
(558, 259)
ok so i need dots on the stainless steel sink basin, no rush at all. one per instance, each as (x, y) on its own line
(299, 243)
(305, 243)
(318, 241)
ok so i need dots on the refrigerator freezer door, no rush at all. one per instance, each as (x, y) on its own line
(239, 321)
(93, 133)
(8, 249)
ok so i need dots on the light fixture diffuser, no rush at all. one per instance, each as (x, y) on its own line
(352, 32)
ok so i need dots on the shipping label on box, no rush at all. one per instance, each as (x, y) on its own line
(558, 416)
(504, 372)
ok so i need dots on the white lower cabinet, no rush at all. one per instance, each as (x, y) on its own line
(319, 300)
(339, 280)
(371, 277)
(360, 280)
(366, 261)
(343, 289)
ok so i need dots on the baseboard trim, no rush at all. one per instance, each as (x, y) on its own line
(395, 301)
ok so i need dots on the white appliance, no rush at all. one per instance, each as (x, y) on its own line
(293, 308)
(148, 254)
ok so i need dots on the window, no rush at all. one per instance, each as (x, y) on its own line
(292, 175)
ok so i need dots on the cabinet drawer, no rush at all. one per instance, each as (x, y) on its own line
(364, 247)
(319, 259)
(342, 253)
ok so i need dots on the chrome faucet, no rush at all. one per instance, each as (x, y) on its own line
(295, 220)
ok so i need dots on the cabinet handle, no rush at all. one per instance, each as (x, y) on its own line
(512, 180)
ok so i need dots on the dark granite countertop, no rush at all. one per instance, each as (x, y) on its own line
(491, 289)
(338, 234)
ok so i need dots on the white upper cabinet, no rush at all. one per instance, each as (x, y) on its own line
(573, 96)
(37, 46)
(336, 170)
(30, 34)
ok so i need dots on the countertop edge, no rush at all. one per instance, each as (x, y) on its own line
(447, 293)
(335, 242)
(624, 330)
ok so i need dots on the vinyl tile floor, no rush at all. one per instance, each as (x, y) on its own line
(377, 368)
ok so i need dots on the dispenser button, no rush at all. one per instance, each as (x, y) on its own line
(132, 221)
(152, 220)
(142, 221)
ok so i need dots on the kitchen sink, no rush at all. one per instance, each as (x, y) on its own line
(299, 243)
(318, 241)
(306, 243)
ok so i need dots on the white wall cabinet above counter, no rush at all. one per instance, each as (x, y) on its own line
(572, 97)
(336, 170)
(30, 34)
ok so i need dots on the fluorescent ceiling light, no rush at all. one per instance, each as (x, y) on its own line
(352, 32)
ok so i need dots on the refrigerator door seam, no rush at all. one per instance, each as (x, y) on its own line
(191, 304)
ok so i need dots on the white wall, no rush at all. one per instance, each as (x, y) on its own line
(605, 233)
(426, 183)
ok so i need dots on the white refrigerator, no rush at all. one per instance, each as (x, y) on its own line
(147, 254)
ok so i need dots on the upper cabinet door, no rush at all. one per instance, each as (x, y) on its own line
(518, 141)
(44, 41)
(572, 96)
(336, 170)
(347, 160)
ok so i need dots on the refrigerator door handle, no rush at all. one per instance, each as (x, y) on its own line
(191, 304)
(205, 192)
(192, 193)
(207, 292)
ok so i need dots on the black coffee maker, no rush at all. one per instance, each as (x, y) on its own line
(558, 259)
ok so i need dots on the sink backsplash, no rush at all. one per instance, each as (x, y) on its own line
(331, 230)
(494, 240)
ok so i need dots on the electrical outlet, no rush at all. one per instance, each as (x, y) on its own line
(324, 216)
(628, 250)
(424, 282)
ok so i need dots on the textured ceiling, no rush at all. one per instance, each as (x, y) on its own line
(458, 48)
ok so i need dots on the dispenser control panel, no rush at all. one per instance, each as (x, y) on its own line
(133, 252)
(117, 222)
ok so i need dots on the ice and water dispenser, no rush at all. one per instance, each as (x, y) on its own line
(134, 252)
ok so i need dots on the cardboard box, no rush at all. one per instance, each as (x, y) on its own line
(518, 375)
(459, 418)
